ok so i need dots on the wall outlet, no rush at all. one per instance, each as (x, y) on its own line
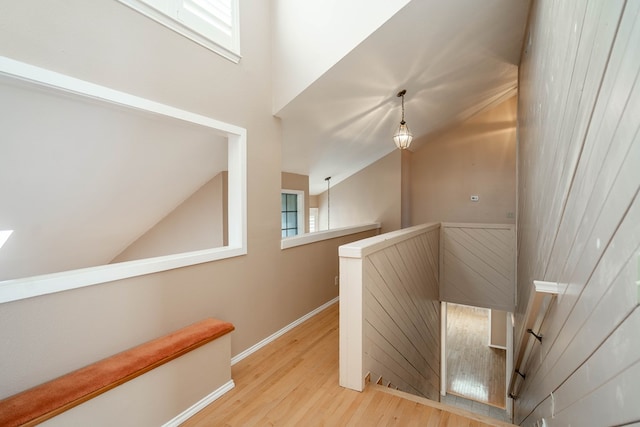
(475, 198)
(510, 215)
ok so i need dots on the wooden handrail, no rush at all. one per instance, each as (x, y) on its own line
(537, 307)
(47, 400)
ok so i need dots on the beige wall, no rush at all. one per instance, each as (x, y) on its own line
(371, 195)
(294, 181)
(476, 157)
(198, 223)
(105, 42)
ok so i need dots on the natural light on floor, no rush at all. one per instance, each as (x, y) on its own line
(473, 389)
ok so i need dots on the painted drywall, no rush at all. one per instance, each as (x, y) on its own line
(107, 43)
(294, 181)
(475, 157)
(310, 37)
(371, 195)
(579, 211)
(198, 223)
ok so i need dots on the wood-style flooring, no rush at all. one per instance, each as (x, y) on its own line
(294, 382)
(474, 370)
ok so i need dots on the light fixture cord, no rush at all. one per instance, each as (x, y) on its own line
(402, 121)
(328, 179)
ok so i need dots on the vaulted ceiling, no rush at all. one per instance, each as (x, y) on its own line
(455, 58)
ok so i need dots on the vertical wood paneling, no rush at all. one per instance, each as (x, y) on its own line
(478, 265)
(402, 315)
(579, 210)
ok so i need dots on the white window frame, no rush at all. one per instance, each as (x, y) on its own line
(173, 15)
(17, 289)
(300, 199)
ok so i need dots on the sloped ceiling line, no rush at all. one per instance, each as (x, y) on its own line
(455, 58)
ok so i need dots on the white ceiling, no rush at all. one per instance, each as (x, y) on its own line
(80, 179)
(81, 162)
(455, 58)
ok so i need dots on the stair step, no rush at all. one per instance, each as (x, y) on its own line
(442, 406)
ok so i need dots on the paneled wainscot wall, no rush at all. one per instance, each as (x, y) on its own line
(392, 326)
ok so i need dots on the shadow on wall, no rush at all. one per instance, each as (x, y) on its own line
(475, 158)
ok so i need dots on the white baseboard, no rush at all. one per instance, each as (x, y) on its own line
(499, 347)
(201, 404)
(235, 359)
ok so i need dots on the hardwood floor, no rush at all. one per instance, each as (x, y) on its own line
(474, 370)
(294, 382)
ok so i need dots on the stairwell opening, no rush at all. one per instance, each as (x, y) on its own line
(474, 355)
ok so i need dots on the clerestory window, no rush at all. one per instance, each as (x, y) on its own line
(213, 24)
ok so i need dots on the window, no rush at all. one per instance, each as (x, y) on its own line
(292, 212)
(313, 220)
(213, 24)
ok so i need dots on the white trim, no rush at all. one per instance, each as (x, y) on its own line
(305, 239)
(365, 247)
(509, 366)
(490, 330)
(443, 348)
(552, 288)
(490, 335)
(477, 225)
(230, 52)
(498, 347)
(200, 405)
(17, 289)
(351, 344)
(238, 357)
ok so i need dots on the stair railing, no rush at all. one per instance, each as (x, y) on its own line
(537, 309)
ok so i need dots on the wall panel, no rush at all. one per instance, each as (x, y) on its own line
(402, 315)
(478, 265)
(579, 210)
(391, 327)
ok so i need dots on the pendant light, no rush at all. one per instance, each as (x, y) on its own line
(403, 135)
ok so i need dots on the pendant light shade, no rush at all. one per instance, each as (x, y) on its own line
(403, 135)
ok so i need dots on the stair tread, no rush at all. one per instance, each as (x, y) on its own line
(442, 406)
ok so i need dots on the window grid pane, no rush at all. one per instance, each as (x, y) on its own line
(289, 213)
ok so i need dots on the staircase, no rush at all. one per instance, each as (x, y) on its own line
(385, 386)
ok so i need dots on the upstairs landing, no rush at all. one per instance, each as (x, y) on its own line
(294, 381)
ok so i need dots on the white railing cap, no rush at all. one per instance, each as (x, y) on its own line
(373, 244)
(305, 239)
